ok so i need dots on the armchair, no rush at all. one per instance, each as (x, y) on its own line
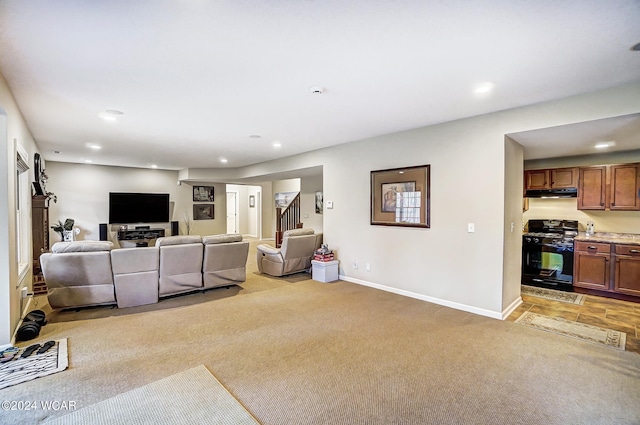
(293, 256)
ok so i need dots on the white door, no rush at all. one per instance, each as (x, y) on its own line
(232, 212)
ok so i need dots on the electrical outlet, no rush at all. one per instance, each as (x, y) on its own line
(367, 267)
(355, 265)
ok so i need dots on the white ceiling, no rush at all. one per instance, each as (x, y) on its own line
(196, 78)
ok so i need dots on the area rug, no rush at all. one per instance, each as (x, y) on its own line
(551, 294)
(594, 334)
(20, 370)
(191, 397)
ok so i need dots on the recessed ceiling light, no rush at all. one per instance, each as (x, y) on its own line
(277, 144)
(154, 166)
(88, 161)
(483, 88)
(223, 160)
(604, 145)
(110, 114)
(57, 152)
(254, 136)
(107, 117)
(93, 146)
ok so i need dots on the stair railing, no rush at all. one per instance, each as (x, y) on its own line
(287, 219)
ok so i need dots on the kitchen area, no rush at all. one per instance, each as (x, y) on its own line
(582, 229)
(581, 223)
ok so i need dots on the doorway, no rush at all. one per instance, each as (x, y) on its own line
(232, 212)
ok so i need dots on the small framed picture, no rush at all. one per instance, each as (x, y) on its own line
(252, 201)
(203, 212)
(203, 194)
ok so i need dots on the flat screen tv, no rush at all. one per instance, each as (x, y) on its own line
(127, 208)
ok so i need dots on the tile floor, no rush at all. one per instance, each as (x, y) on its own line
(608, 313)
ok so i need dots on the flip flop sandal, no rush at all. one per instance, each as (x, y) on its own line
(37, 316)
(8, 354)
(29, 350)
(45, 347)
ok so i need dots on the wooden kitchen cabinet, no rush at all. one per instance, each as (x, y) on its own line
(592, 183)
(554, 178)
(609, 187)
(536, 179)
(564, 177)
(624, 187)
(627, 269)
(592, 269)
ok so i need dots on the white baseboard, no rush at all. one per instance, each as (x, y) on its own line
(507, 311)
(26, 309)
(457, 306)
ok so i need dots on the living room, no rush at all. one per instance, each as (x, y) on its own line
(475, 177)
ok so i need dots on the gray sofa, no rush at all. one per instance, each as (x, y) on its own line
(86, 273)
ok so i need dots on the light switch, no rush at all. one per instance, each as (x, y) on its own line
(471, 227)
(330, 205)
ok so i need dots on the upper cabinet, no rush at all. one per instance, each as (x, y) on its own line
(610, 187)
(592, 188)
(624, 187)
(555, 178)
(603, 187)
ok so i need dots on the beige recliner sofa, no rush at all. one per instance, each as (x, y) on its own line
(135, 276)
(79, 274)
(86, 273)
(225, 260)
(180, 264)
(293, 256)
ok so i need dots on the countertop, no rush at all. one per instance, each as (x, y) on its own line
(620, 238)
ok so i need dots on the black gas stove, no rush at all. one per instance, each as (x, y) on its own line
(547, 253)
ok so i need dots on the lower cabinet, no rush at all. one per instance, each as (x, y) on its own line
(607, 267)
(592, 268)
(627, 269)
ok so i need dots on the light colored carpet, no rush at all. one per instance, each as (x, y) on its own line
(191, 397)
(21, 370)
(297, 351)
(589, 333)
(551, 294)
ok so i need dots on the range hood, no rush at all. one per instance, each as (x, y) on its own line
(569, 192)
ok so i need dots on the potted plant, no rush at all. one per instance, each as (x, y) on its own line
(65, 229)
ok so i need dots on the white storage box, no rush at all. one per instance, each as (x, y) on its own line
(324, 271)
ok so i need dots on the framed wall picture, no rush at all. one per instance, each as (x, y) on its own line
(319, 202)
(203, 194)
(401, 197)
(203, 212)
(283, 199)
(252, 201)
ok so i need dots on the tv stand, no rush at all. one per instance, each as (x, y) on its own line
(139, 234)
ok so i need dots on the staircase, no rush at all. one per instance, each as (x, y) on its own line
(287, 219)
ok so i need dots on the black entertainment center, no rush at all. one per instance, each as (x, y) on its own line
(140, 234)
(129, 208)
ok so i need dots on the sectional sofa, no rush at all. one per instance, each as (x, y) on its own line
(87, 273)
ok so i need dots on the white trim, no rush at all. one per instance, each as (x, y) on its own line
(26, 309)
(23, 269)
(510, 309)
(457, 306)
